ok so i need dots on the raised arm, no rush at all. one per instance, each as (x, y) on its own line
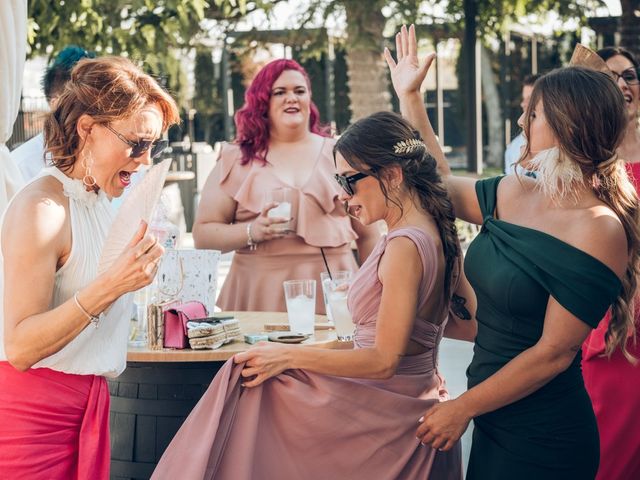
(407, 75)
(400, 271)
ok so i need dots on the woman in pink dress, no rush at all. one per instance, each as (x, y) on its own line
(292, 412)
(279, 144)
(612, 379)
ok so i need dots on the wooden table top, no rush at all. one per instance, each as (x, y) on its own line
(250, 322)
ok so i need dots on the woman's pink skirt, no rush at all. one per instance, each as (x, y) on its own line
(53, 425)
(305, 426)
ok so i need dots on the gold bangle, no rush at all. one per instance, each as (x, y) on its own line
(93, 319)
(251, 243)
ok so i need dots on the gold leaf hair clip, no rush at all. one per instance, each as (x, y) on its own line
(408, 146)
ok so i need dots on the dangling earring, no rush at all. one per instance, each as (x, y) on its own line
(88, 179)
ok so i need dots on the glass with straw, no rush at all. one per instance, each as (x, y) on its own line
(335, 287)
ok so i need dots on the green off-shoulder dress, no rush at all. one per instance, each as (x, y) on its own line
(552, 433)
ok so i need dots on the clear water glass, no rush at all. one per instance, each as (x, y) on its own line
(300, 296)
(284, 198)
(335, 290)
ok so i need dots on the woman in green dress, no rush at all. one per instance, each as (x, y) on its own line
(554, 254)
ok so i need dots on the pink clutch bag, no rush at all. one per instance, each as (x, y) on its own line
(175, 323)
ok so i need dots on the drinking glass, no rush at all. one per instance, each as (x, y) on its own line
(335, 290)
(284, 198)
(300, 296)
(138, 323)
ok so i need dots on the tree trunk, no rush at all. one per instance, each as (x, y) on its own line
(630, 25)
(368, 76)
(495, 124)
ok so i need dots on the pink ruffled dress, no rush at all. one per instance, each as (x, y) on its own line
(254, 282)
(303, 425)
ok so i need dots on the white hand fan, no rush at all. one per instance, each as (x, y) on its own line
(138, 205)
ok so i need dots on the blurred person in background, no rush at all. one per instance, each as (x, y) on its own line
(30, 156)
(514, 149)
(279, 144)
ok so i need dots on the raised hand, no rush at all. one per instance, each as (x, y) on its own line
(407, 74)
(137, 265)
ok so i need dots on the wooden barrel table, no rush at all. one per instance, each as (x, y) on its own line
(159, 388)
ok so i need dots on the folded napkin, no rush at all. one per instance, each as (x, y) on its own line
(212, 335)
(207, 343)
(197, 329)
(231, 329)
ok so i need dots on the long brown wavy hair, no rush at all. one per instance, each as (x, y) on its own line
(368, 146)
(107, 89)
(585, 109)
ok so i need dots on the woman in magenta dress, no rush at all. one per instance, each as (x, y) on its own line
(296, 412)
(612, 379)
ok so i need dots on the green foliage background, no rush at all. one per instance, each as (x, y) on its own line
(147, 31)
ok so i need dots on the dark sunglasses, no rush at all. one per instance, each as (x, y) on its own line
(630, 76)
(140, 147)
(347, 182)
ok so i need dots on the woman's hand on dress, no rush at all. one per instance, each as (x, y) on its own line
(406, 74)
(262, 362)
(265, 228)
(137, 265)
(443, 425)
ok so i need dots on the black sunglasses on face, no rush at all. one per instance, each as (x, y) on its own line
(630, 76)
(347, 182)
(140, 147)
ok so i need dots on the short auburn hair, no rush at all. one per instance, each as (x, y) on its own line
(107, 89)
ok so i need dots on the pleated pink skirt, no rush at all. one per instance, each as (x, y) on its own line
(304, 426)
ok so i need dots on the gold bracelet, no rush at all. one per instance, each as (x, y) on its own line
(250, 242)
(94, 319)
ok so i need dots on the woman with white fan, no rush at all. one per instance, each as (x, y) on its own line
(64, 326)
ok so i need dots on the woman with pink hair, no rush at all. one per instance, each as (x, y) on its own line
(280, 144)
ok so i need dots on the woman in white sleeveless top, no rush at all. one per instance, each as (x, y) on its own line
(64, 327)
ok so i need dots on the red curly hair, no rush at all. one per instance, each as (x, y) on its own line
(252, 120)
